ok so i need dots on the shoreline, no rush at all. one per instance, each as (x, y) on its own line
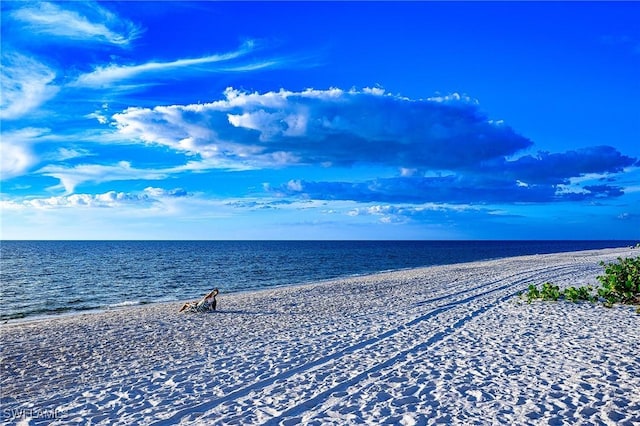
(137, 304)
(448, 343)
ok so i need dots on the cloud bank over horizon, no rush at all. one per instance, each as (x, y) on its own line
(440, 149)
(476, 158)
(331, 127)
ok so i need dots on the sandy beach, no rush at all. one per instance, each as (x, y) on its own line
(439, 345)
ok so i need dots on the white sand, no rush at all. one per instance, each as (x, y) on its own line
(448, 345)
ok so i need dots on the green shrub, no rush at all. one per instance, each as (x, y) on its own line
(620, 284)
(533, 293)
(548, 292)
(621, 281)
(574, 294)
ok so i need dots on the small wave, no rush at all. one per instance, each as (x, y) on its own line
(36, 314)
(126, 303)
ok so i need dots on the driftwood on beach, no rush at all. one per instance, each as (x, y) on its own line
(447, 344)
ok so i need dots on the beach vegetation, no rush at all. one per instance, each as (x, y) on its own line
(576, 294)
(550, 292)
(532, 293)
(547, 292)
(620, 283)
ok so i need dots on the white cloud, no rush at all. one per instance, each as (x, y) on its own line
(408, 172)
(161, 192)
(98, 115)
(26, 84)
(70, 177)
(294, 185)
(109, 199)
(69, 153)
(15, 160)
(395, 214)
(410, 210)
(256, 66)
(453, 98)
(17, 154)
(97, 24)
(105, 76)
(333, 127)
(170, 128)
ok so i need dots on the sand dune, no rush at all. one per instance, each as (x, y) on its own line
(449, 344)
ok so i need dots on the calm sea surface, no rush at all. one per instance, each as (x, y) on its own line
(41, 278)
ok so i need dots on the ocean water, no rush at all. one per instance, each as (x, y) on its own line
(44, 278)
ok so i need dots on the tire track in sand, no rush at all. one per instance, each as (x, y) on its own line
(319, 404)
(312, 383)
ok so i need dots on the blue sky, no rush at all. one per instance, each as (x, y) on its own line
(319, 120)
